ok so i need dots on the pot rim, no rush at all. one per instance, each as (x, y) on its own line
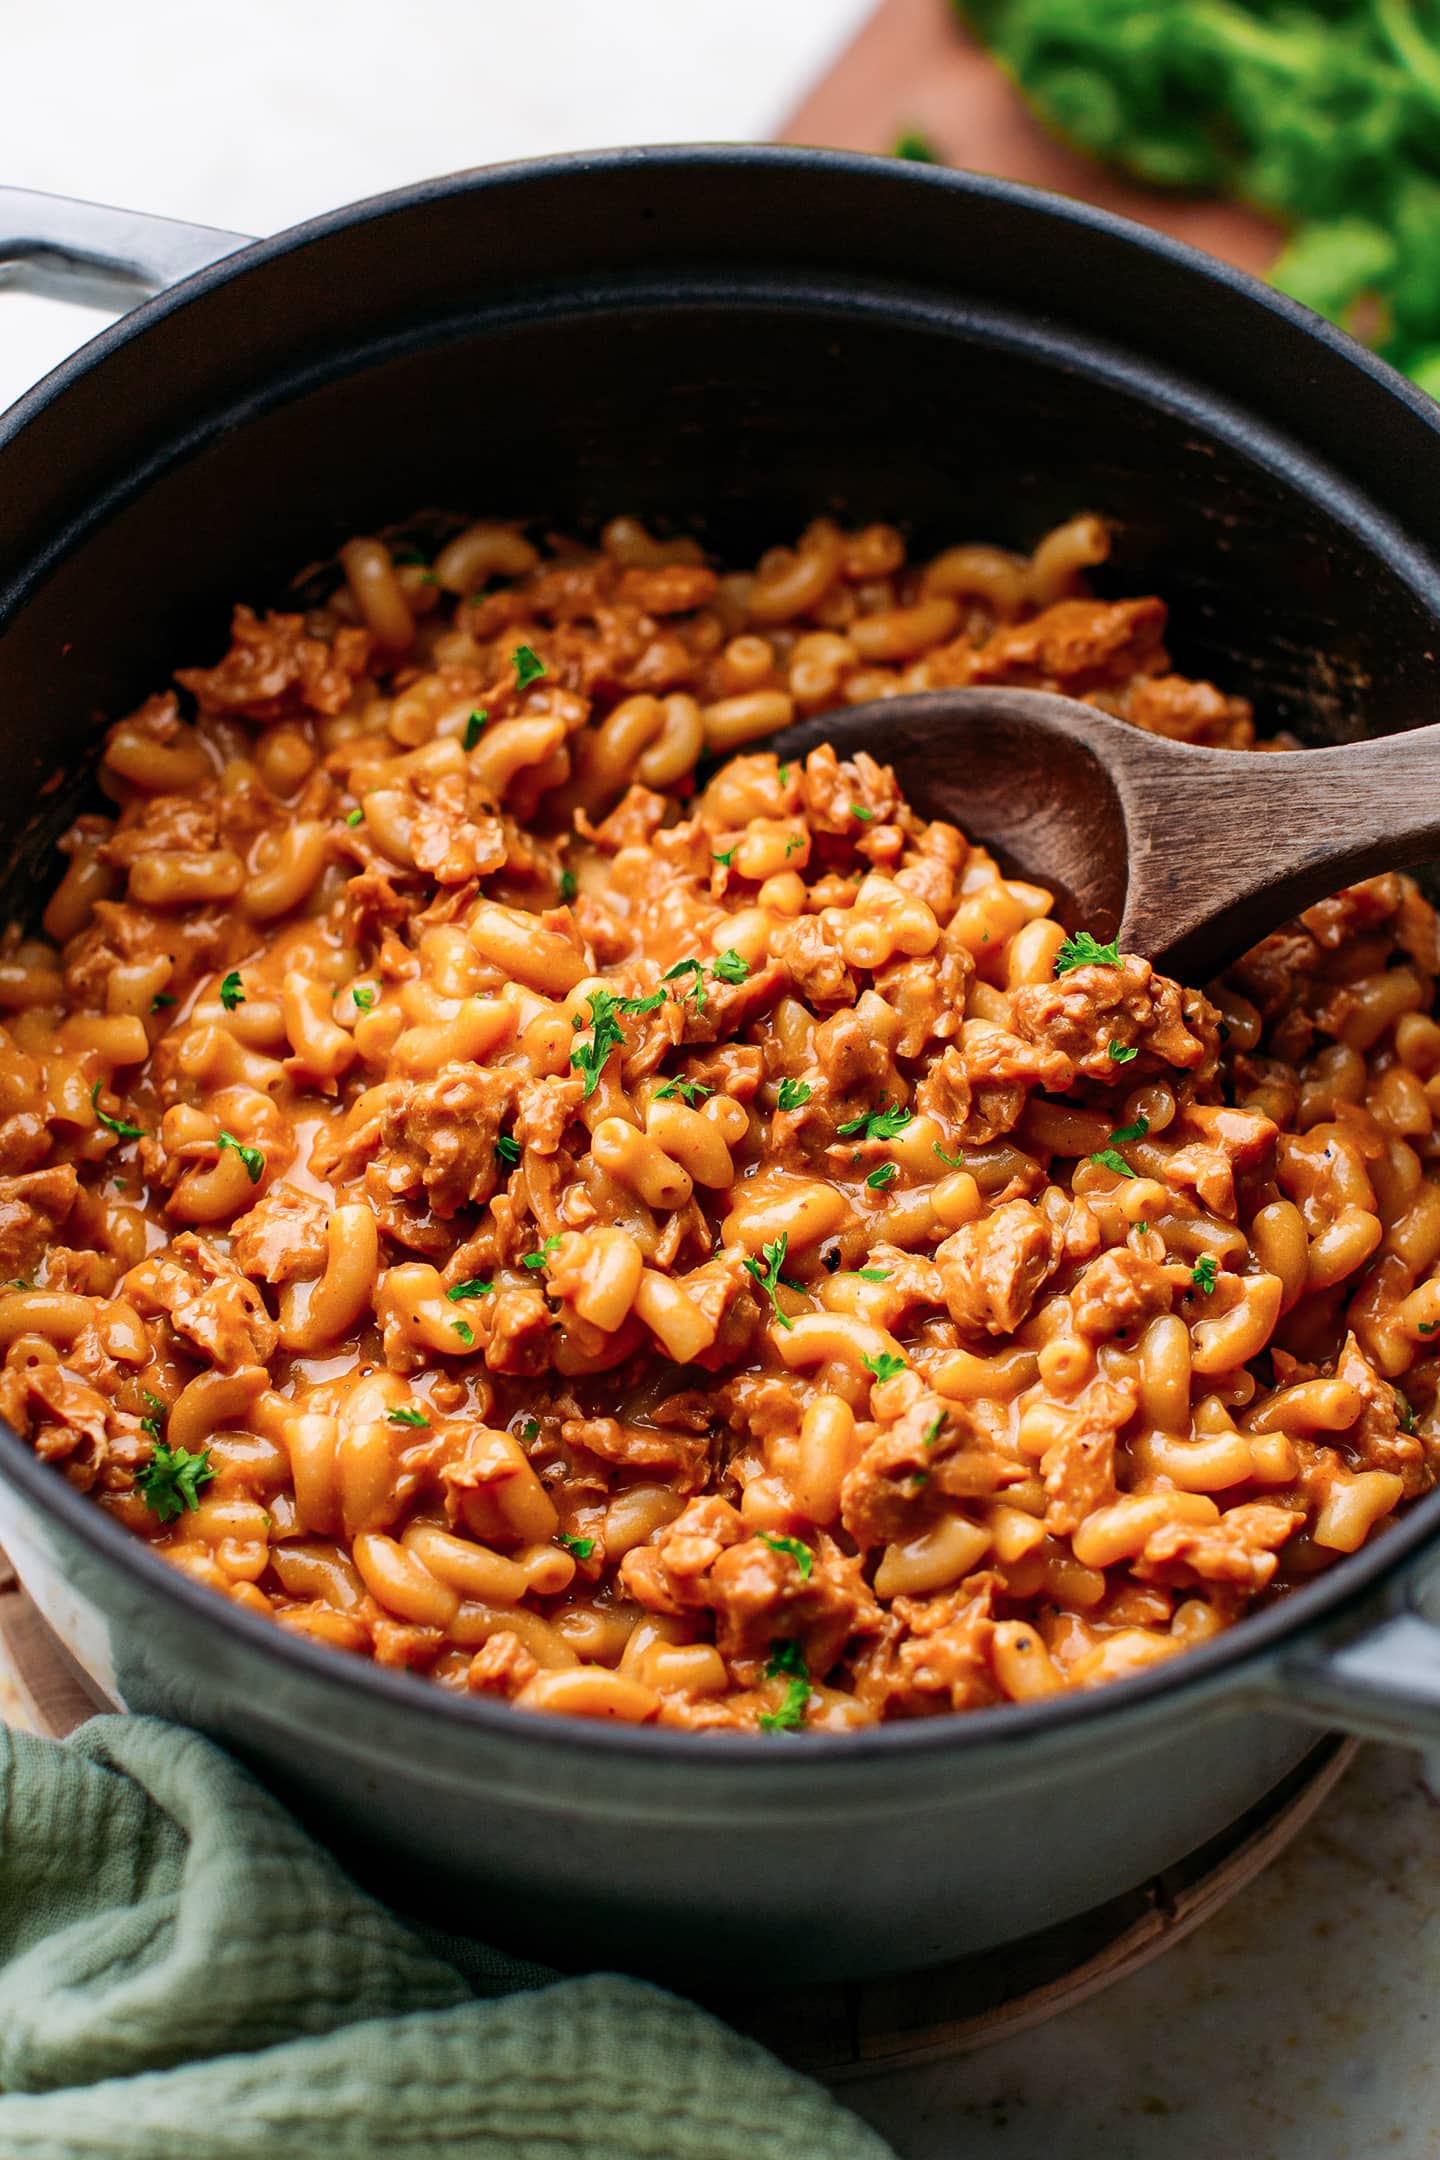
(1344, 1592)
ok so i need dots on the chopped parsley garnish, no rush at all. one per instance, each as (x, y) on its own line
(859, 810)
(1110, 1158)
(934, 1429)
(1202, 1275)
(791, 844)
(1406, 1412)
(19, 1282)
(252, 1157)
(118, 1126)
(354, 817)
(474, 726)
(606, 1035)
(783, 774)
(1083, 950)
(787, 1662)
(569, 885)
(729, 967)
(161, 999)
(766, 1271)
(529, 667)
(1119, 1055)
(159, 1409)
(407, 1417)
(1428, 1327)
(652, 1003)
(886, 1123)
(363, 994)
(582, 1547)
(1137, 1131)
(170, 1482)
(873, 1274)
(884, 1367)
(951, 1162)
(687, 1090)
(727, 858)
(471, 1288)
(538, 1259)
(1143, 1228)
(530, 1430)
(231, 993)
(885, 1175)
(916, 149)
(466, 1333)
(697, 987)
(918, 1477)
(801, 1554)
(794, 1094)
(507, 1149)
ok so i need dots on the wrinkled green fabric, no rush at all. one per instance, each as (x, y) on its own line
(182, 1971)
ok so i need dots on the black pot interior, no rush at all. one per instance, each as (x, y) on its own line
(600, 338)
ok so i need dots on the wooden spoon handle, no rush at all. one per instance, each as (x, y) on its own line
(1225, 848)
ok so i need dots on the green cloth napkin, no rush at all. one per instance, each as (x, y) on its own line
(182, 1971)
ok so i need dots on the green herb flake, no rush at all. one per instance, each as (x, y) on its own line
(408, 1417)
(569, 885)
(791, 844)
(794, 1094)
(231, 993)
(161, 999)
(582, 1547)
(783, 775)
(252, 1157)
(471, 1288)
(118, 1126)
(1137, 1131)
(886, 1123)
(916, 149)
(885, 1175)
(1406, 1412)
(475, 725)
(170, 1482)
(934, 1429)
(1083, 950)
(697, 987)
(538, 1259)
(466, 1333)
(688, 1091)
(354, 818)
(1143, 1228)
(918, 1477)
(884, 1367)
(1109, 1158)
(1119, 1055)
(1428, 1327)
(858, 810)
(951, 1162)
(1202, 1275)
(606, 1034)
(364, 995)
(727, 858)
(801, 1554)
(530, 1430)
(787, 1662)
(729, 967)
(528, 665)
(507, 1149)
(766, 1271)
(873, 1274)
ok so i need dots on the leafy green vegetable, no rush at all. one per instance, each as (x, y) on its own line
(873, 1274)
(582, 1547)
(934, 1429)
(697, 987)
(466, 1333)
(916, 149)
(885, 1366)
(231, 993)
(1119, 1055)
(252, 1157)
(1137, 1131)
(363, 994)
(472, 1288)
(687, 1090)
(886, 1123)
(407, 1417)
(1109, 1158)
(794, 1094)
(1082, 950)
(885, 1175)
(569, 885)
(787, 1662)
(118, 1126)
(727, 858)
(528, 665)
(606, 1034)
(161, 999)
(729, 967)
(538, 1259)
(170, 1482)
(766, 1271)
(474, 726)
(859, 810)
(354, 817)
(507, 1149)
(1202, 1275)
(952, 1162)
(801, 1554)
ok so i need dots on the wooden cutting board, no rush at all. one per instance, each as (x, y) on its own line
(913, 69)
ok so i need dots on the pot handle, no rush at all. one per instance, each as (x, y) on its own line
(1382, 1683)
(97, 256)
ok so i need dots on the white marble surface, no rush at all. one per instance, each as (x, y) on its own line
(1303, 2023)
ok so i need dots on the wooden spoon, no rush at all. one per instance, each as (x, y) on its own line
(1190, 855)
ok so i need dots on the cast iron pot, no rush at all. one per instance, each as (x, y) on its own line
(738, 337)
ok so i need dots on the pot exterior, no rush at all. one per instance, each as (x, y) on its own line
(735, 341)
(698, 1871)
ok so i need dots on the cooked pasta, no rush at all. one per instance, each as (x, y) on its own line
(697, 1246)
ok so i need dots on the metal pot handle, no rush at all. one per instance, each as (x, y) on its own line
(97, 256)
(1383, 1683)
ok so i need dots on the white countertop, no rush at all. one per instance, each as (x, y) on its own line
(1304, 2022)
